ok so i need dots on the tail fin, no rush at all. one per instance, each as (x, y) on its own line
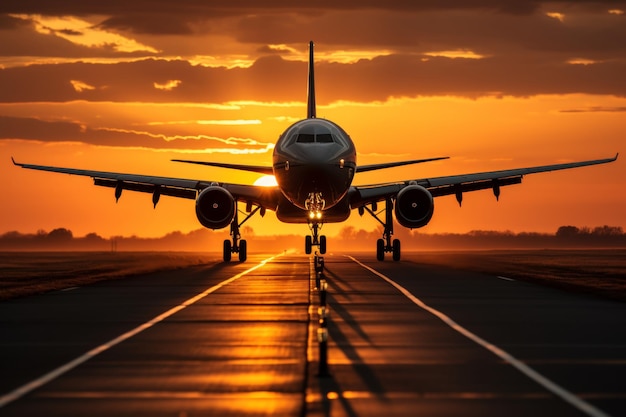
(311, 113)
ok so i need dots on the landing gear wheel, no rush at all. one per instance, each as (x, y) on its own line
(308, 244)
(322, 244)
(243, 250)
(396, 250)
(227, 251)
(380, 250)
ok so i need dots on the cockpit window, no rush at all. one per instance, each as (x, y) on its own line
(324, 138)
(305, 138)
(319, 138)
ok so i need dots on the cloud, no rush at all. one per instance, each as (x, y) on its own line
(20, 38)
(274, 79)
(33, 129)
(596, 109)
(380, 50)
(80, 86)
(169, 85)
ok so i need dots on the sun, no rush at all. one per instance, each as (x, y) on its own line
(266, 181)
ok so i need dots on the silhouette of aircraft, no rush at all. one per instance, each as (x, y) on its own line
(314, 163)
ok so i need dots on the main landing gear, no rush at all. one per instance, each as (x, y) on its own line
(315, 239)
(238, 245)
(386, 244)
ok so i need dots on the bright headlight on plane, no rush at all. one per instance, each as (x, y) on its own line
(311, 215)
(318, 215)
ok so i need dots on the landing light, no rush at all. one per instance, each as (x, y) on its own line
(315, 215)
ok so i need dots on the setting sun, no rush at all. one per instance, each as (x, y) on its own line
(266, 181)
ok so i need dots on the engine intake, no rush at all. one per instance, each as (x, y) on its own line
(215, 207)
(414, 206)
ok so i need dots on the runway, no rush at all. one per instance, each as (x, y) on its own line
(240, 339)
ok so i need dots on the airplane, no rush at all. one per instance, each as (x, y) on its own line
(314, 163)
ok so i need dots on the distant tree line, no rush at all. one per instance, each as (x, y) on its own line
(602, 231)
(349, 238)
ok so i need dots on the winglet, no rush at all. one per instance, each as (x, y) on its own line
(14, 163)
(311, 112)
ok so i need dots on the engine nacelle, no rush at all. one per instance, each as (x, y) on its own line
(414, 206)
(215, 207)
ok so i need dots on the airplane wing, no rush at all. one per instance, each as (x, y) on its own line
(270, 171)
(458, 184)
(373, 167)
(266, 197)
(253, 168)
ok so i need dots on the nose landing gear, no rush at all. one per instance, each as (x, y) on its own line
(315, 239)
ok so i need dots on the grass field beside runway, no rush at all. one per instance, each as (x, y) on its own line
(597, 271)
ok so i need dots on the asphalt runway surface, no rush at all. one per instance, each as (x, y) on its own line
(404, 339)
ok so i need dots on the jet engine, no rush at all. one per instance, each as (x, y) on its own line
(215, 207)
(414, 206)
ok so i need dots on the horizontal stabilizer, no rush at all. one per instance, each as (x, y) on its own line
(373, 167)
(252, 168)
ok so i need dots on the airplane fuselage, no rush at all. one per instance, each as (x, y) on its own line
(314, 163)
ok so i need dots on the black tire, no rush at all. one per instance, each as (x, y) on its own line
(308, 245)
(322, 245)
(380, 250)
(396, 250)
(227, 251)
(243, 250)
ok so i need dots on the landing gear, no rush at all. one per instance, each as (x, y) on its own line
(238, 245)
(386, 244)
(315, 239)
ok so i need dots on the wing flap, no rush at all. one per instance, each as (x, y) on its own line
(474, 186)
(147, 188)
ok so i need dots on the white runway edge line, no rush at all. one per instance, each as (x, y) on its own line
(50, 376)
(557, 390)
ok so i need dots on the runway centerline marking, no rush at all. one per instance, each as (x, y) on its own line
(54, 374)
(557, 390)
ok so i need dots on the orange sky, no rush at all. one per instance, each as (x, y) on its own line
(493, 85)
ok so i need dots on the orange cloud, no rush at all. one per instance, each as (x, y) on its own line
(168, 85)
(82, 32)
(80, 86)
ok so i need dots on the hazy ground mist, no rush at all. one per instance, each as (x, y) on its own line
(349, 238)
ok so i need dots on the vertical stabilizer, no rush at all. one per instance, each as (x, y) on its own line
(310, 111)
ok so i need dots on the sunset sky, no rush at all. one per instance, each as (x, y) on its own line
(128, 85)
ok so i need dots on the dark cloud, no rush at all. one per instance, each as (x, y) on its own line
(28, 128)
(10, 23)
(273, 79)
(526, 51)
(168, 17)
(485, 33)
(188, 7)
(70, 32)
(24, 41)
(162, 24)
